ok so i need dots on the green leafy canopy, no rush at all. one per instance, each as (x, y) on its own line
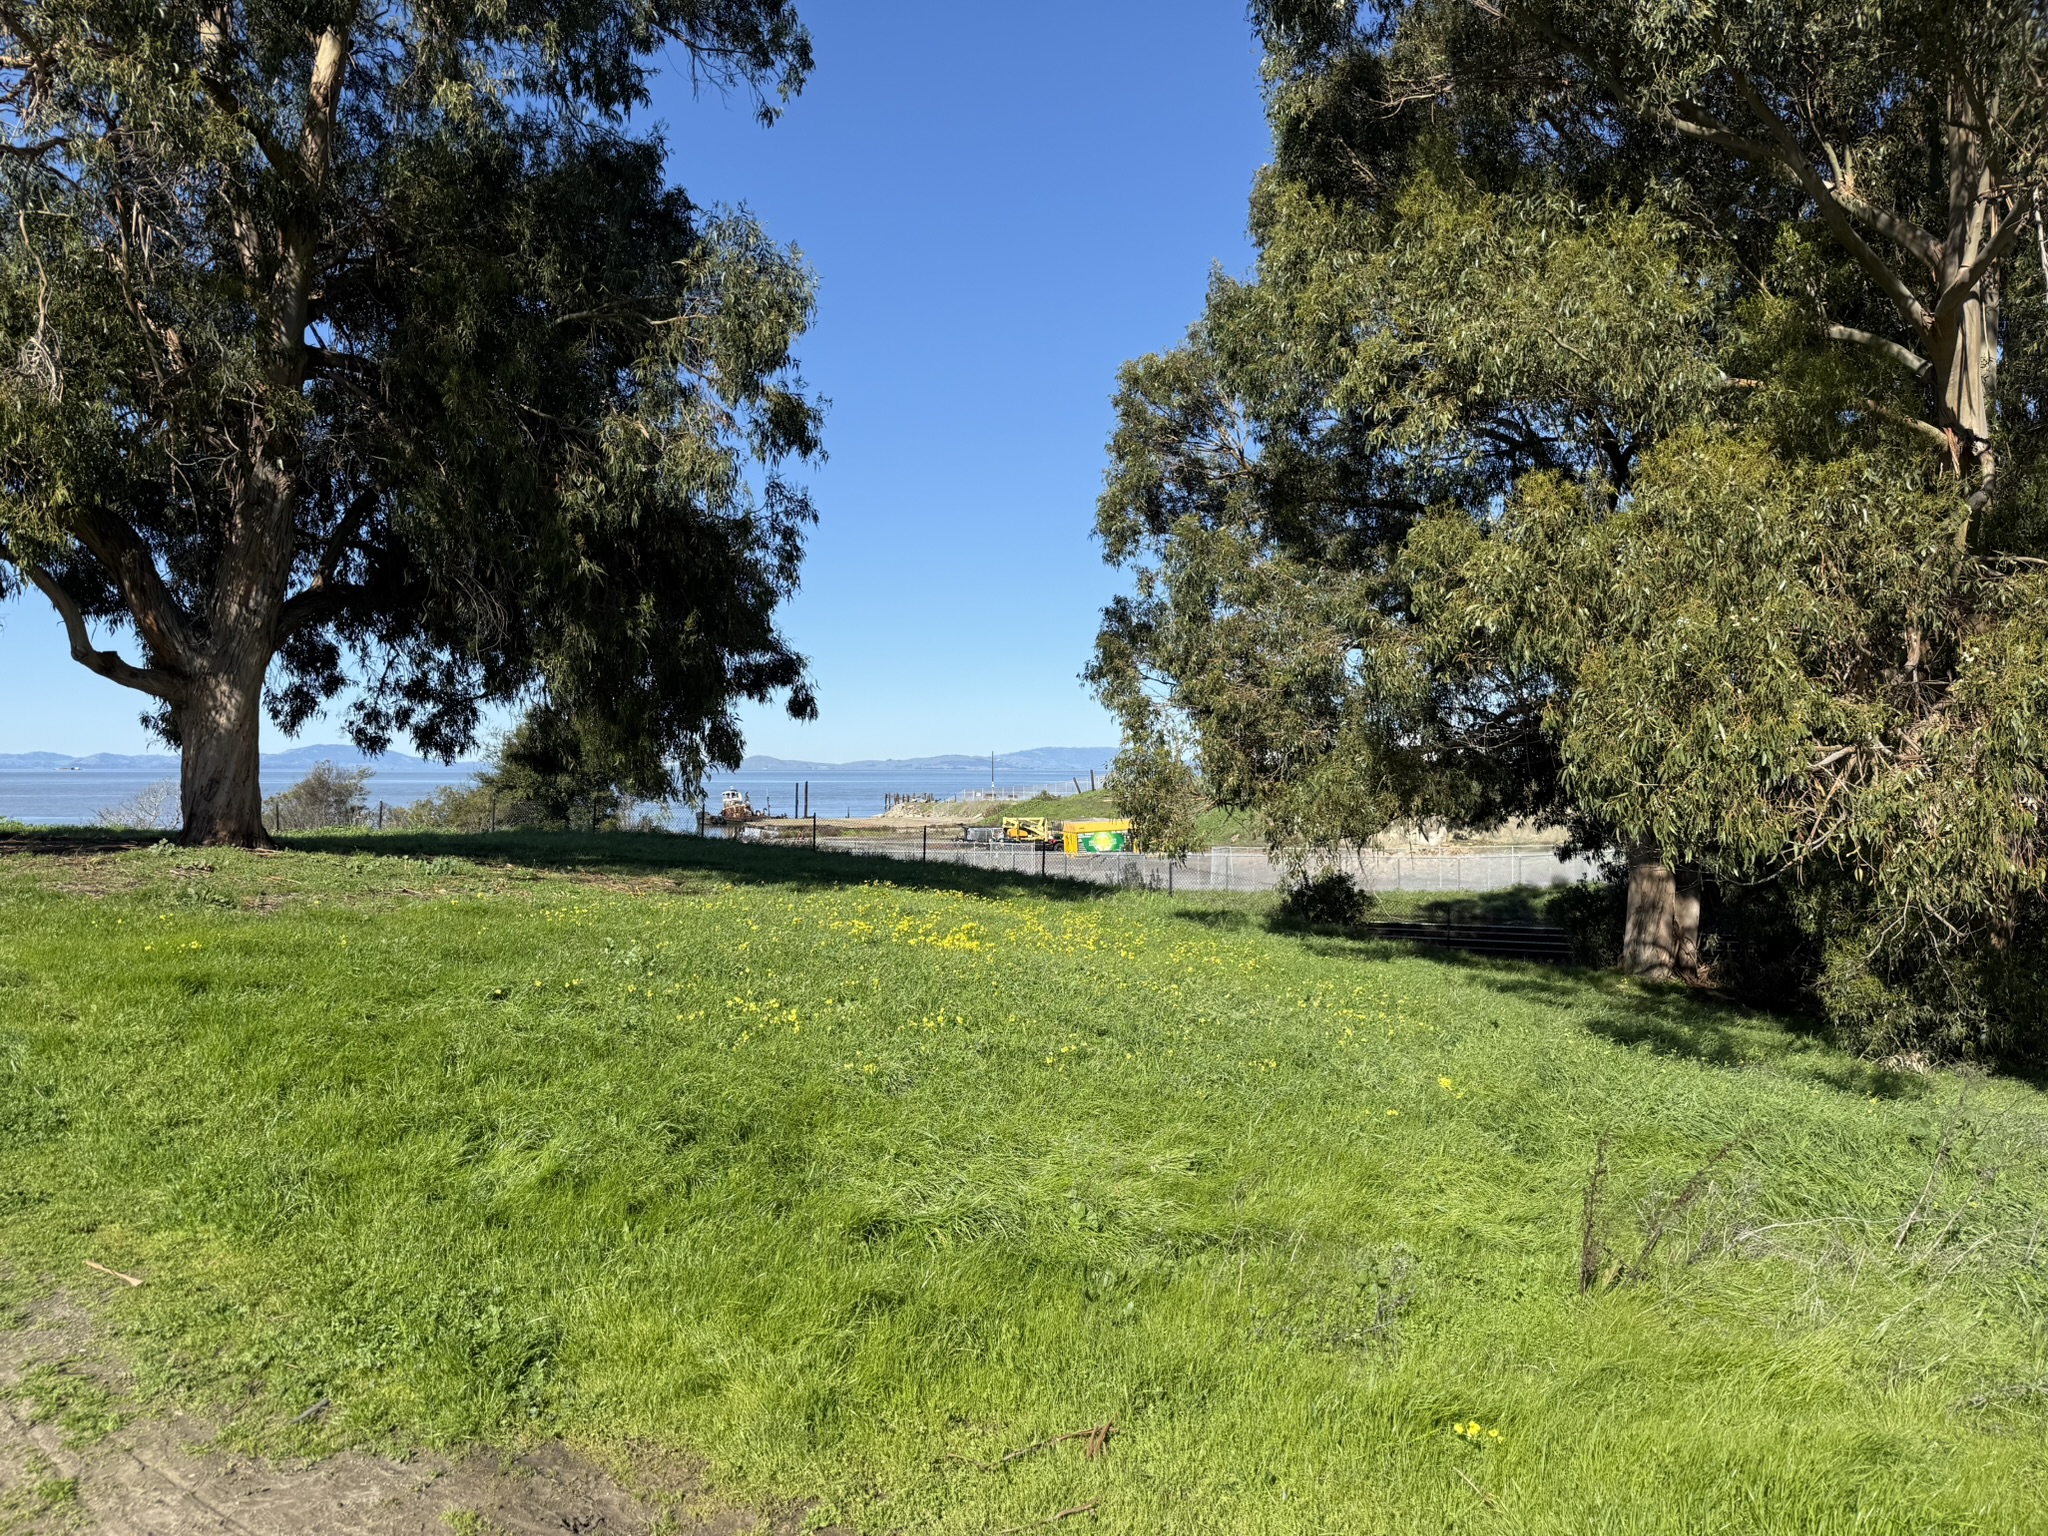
(367, 353)
(1636, 420)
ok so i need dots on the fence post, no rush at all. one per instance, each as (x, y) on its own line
(925, 852)
(1169, 877)
(814, 832)
(380, 815)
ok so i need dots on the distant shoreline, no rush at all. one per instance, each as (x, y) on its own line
(1057, 762)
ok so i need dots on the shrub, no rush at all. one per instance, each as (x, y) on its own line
(154, 806)
(1593, 915)
(1331, 899)
(326, 797)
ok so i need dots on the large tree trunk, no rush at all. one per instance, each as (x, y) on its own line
(1662, 936)
(220, 791)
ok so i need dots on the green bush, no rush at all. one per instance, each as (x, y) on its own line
(1329, 900)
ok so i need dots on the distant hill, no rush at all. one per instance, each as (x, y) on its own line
(345, 755)
(1059, 762)
(99, 762)
(1063, 761)
(341, 754)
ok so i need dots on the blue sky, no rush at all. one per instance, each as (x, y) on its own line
(1002, 205)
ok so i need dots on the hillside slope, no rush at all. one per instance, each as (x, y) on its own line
(865, 1192)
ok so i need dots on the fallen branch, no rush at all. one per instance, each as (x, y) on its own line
(1097, 1438)
(114, 1272)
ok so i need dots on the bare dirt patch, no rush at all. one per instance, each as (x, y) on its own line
(72, 1459)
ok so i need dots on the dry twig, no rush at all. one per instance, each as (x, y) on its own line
(1097, 1438)
(1590, 1251)
(114, 1272)
(311, 1413)
(1694, 1188)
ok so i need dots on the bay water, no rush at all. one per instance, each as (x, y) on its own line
(77, 796)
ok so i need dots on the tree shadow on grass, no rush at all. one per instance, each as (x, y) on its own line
(1220, 919)
(79, 840)
(1668, 1020)
(1522, 904)
(640, 854)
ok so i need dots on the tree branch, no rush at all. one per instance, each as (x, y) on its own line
(1905, 234)
(1958, 292)
(1788, 157)
(2041, 238)
(1926, 429)
(37, 150)
(128, 561)
(321, 600)
(213, 44)
(107, 664)
(1904, 356)
(1708, 131)
(323, 93)
(320, 597)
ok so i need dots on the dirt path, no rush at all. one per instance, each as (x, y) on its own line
(165, 1477)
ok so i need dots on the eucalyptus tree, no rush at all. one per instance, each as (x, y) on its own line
(1636, 419)
(363, 349)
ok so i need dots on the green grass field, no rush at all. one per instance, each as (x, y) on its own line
(854, 1188)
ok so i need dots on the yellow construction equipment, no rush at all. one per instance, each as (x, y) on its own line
(1038, 831)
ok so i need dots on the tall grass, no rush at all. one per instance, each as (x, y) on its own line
(855, 1188)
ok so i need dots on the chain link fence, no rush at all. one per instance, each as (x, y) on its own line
(1224, 869)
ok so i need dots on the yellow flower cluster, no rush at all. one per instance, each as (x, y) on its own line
(1474, 1431)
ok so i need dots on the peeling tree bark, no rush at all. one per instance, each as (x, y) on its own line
(1661, 941)
(220, 792)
